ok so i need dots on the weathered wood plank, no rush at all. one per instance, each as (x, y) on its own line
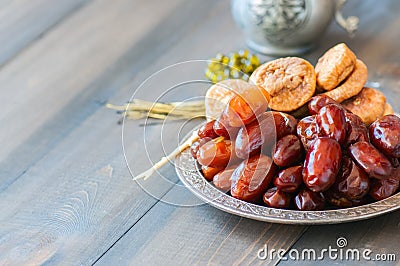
(199, 235)
(71, 206)
(66, 194)
(22, 22)
(61, 79)
(171, 235)
(74, 197)
(32, 232)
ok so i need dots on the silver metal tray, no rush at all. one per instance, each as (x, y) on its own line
(189, 173)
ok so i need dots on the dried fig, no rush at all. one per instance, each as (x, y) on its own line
(352, 85)
(290, 82)
(388, 110)
(334, 66)
(369, 105)
(219, 94)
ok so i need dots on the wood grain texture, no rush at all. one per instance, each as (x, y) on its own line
(62, 79)
(198, 235)
(162, 241)
(47, 212)
(24, 21)
(66, 196)
(75, 202)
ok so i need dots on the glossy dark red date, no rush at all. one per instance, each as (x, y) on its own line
(245, 108)
(224, 130)
(317, 102)
(385, 135)
(356, 129)
(276, 198)
(322, 164)
(252, 177)
(263, 133)
(373, 162)
(222, 180)
(207, 130)
(194, 148)
(352, 181)
(216, 153)
(307, 131)
(288, 151)
(254, 136)
(285, 124)
(337, 199)
(384, 188)
(290, 179)
(332, 122)
(209, 172)
(395, 162)
(308, 200)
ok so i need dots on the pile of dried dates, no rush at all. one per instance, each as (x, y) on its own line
(330, 158)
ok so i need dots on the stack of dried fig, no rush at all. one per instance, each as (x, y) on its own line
(333, 157)
(338, 74)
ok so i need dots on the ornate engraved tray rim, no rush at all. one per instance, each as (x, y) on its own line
(188, 172)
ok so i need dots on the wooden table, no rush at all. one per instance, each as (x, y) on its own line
(66, 195)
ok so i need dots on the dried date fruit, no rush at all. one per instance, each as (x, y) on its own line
(384, 188)
(209, 172)
(384, 133)
(285, 124)
(244, 129)
(317, 102)
(222, 180)
(308, 200)
(219, 94)
(263, 133)
(373, 162)
(255, 135)
(224, 130)
(216, 153)
(369, 105)
(290, 82)
(334, 66)
(307, 130)
(331, 122)
(288, 151)
(194, 148)
(365, 200)
(276, 198)
(396, 173)
(352, 85)
(245, 107)
(337, 199)
(395, 162)
(252, 177)
(290, 179)
(207, 130)
(352, 181)
(356, 129)
(322, 164)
